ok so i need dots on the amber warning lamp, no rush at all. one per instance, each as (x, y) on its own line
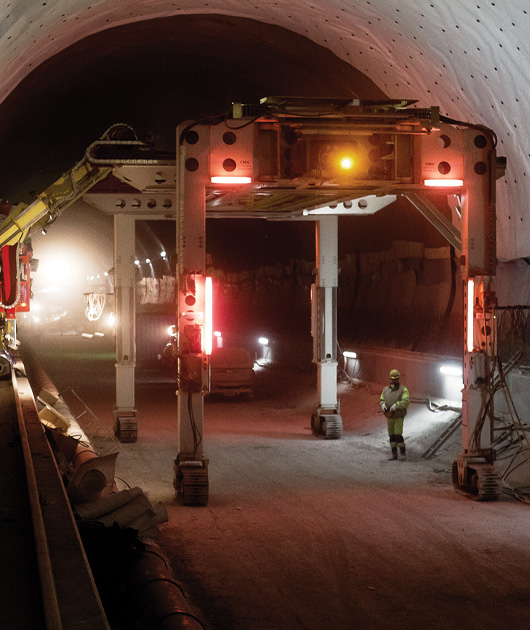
(346, 163)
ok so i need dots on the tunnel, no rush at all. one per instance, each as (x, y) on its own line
(77, 71)
(70, 70)
(152, 68)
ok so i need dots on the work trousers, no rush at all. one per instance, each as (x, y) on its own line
(395, 430)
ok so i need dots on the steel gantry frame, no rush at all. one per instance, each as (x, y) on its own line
(283, 158)
(280, 160)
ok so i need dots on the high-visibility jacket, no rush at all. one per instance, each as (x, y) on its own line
(398, 396)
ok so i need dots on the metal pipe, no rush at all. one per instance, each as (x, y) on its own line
(159, 600)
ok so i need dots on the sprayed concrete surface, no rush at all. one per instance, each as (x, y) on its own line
(308, 533)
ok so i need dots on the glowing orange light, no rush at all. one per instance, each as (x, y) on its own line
(208, 315)
(444, 183)
(470, 313)
(346, 163)
(230, 179)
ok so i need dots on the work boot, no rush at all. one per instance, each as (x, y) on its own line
(402, 454)
(394, 454)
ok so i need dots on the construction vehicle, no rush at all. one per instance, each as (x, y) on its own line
(15, 243)
(232, 372)
(17, 260)
(306, 159)
(295, 158)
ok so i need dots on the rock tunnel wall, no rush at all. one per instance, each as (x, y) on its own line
(406, 297)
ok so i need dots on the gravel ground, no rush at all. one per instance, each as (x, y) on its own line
(306, 533)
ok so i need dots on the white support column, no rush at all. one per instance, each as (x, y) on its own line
(126, 428)
(191, 466)
(474, 470)
(326, 420)
(478, 238)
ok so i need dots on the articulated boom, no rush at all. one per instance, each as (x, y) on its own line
(15, 246)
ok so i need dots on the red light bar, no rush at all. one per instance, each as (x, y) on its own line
(230, 179)
(470, 313)
(444, 183)
(208, 315)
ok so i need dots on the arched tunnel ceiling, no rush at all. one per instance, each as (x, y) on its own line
(469, 58)
(155, 74)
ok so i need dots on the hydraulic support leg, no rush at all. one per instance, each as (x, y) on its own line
(326, 420)
(191, 466)
(474, 471)
(125, 427)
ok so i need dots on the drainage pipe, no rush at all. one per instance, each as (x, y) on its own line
(159, 600)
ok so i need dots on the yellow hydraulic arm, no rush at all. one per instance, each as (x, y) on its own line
(50, 203)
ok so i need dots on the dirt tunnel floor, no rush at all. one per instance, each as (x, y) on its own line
(308, 533)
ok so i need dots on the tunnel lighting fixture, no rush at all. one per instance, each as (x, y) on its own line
(57, 270)
(99, 334)
(230, 179)
(346, 163)
(218, 338)
(470, 313)
(348, 354)
(137, 262)
(208, 315)
(163, 255)
(263, 341)
(147, 261)
(87, 335)
(444, 183)
(451, 370)
(111, 320)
